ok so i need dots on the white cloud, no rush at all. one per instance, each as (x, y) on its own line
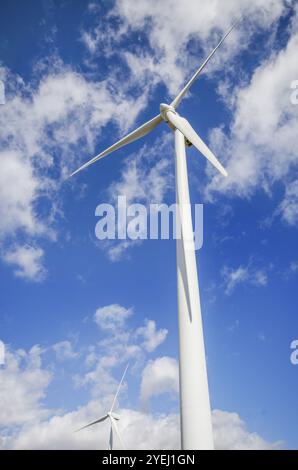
(140, 179)
(19, 188)
(139, 431)
(171, 58)
(58, 431)
(230, 432)
(41, 127)
(261, 127)
(69, 105)
(64, 351)
(290, 271)
(23, 384)
(232, 277)
(261, 148)
(27, 424)
(122, 344)
(158, 377)
(117, 251)
(260, 278)
(112, 317)
(28, 261)
(152, 337)
(43, 124)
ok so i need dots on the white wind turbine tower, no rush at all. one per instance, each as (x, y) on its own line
(195, 413)
(113, 418)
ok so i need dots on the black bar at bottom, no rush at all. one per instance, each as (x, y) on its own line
(164, 459)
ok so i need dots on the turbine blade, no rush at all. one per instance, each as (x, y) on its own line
(179, 97)
(183, 126)
(115, 426)
(136, 134)
(100, 420)
(118, 389)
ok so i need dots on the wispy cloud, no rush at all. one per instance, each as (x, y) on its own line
(121, 344)
(152, 337)
(233, 277)
(28, 262)
(42, 124)
(260, 148)
(112, 317)
(64, 351)
(169, 58)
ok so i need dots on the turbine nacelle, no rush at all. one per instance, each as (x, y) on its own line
(113, 415)
(164, 110)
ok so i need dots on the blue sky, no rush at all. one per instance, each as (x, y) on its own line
(74, 311)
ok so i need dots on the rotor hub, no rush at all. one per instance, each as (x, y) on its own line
(164, 109)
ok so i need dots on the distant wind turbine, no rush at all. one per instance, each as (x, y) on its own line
(113, 417)
(195, 412)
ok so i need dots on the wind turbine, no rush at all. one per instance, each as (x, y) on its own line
(113, 418)
(195, 412)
